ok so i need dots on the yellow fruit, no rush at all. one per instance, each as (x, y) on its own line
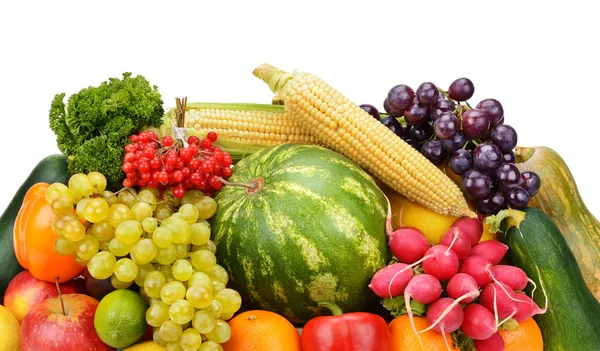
(120, 319)
(146, 346)
(9, 331)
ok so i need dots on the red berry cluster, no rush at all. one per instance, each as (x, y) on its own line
(167, 163)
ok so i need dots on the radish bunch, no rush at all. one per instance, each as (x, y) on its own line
(480, 293)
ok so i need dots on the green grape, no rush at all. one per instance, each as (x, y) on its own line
(162, 237)
(104, 245)
(181, 311)
(119, 249)
(207, 206)
(200, 279)
(102, 231)
(149, 224)
(173, 346)
(163, 211)
(80, 185)
(209, 345)
(102, 265)
(189, 212)
(230, 300)
(110, 197)
(218, 273)
(172, 291)
(80, 262)
(200, 233)
(129, 231)
(182, 270)
(118, 213)
(154, 191)
(141, 211)
(221, 332)
(73, 230)
(166, 255)
(87, 248)
(56, 190)
(153, 283)
(143, 271)
(191, 196)
(203, 260)
(209, 246)
(98, 182)
(181, 251)
(178, 215)
(203, 321)
(144, 251)
(199, 296)
(215, 309)
(118, 284)
(170, 331)
(157, 314)
(167, 271)
(156, 337)
(170, 198)
(126, 270)
(190, 340)
(96, 210)
(226, 316)
(148, 197)
(80, 206)
(127, 197)
(217, 286)
(181, 231)
(63, 246)
(58, 223)
(62, 205)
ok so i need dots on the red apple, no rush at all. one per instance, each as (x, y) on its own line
(46, 327)
(25, 291)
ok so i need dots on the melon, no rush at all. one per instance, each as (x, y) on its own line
(300, 224)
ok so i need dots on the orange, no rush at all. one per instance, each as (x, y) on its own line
(404, 338)
(262, 331)
(527, 337)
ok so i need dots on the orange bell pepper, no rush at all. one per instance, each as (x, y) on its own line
(34, 239)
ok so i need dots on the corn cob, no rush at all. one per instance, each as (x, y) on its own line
(346, 128)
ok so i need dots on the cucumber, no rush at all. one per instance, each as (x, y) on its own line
(536, 245)
(51, 169)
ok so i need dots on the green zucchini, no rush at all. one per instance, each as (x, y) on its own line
(51, 169)
(536, 245)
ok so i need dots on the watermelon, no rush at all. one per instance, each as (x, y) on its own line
(309, 225)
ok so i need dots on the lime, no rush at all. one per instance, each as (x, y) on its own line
(9, 330)
(120, 319)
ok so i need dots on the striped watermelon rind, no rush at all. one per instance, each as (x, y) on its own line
(315, 230)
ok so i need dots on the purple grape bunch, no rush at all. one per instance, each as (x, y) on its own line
(473, 141)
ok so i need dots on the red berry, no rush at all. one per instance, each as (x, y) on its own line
(171, 159)
(133, 138)
(214, 182)
(132, 175)
(212, 136)
(143, 166)
(216, 168)
(169, 168)
(206, 166)
(218, 156)
(155, 163)
(128, 183)
(185, 154)
(129, 148)
(186, 184)
(128, 167)
(138, 154)
(226, 172)
(129, 157)
(167, 140)
(202, 185)
(140, 183)
(227, 161)
(194, 164)
(139, 145)
(193, 149)
(186, 172)
(143, 137)
(146, 177)
(195, 178)
(193, 140)
(156, 176)
(177, 176)
(163, 177)
(152, 184)
(151, 135)
(206, 143)
(178, 192)
(148, 152)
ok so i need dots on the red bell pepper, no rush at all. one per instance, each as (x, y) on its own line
(357, 331)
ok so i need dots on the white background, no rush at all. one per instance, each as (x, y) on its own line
(540, 59)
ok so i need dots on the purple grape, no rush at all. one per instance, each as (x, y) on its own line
(509, 157)
(517, 198)
(416, 114)
(401, 96)
(427, 93)
(403, 132)
(461, 89)
(476, 184)
(422, 132)
(433, 150)
(412, 142)
(494, 109)
(460, 161)
(442, 106)
(531, 182)
(507, 176)
(394, 112)
(493, 203)
(446, 126)
(372, 110)
(392, 124)
(456, 142)
(487, 156)
(505, 137)
(475, 123)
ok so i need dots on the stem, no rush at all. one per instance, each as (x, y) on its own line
(250, 185)
(335, 310)
(62, 304)
(523, 154)
(515, 217)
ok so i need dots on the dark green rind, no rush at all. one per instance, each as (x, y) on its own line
(51, 169)
(270, 270)
(572, 321)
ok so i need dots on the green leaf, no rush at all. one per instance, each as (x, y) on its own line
(462, 342)
(397, 307)
(510, 324)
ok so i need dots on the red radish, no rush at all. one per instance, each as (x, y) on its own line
(423, 288)
(473, 227)
(512, 276)
(479, 322)
(440, 262)
(494, 343)
(492, 250)
(408, 244)
(461, 284)
(501, 298)
(527, 308)
(458, 241)
(390, 281)
(475, 266)
(443, 320)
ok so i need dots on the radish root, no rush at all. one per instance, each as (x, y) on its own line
(446, 340)
(453, 241)
(489, 271)
(495, 308)
(402, 270)
(543, 291)
(473, 294)
(410, 318)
